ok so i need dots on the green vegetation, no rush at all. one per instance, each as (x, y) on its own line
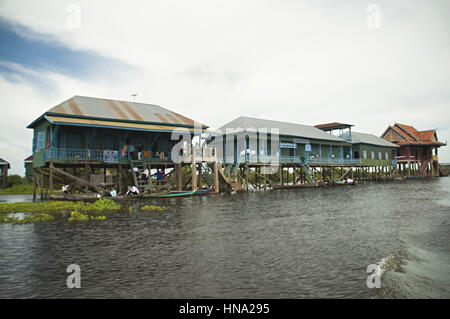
(17, 190)
(26, 220)
(15, 180)
(56, 206)
(77, 216)
(152, 208)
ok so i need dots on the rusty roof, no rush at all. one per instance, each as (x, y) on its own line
(99, 108)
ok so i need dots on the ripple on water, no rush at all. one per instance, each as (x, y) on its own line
(280, 244)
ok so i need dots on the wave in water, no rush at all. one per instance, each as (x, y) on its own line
(415, 273)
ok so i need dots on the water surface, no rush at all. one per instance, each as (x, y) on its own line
(300, 243)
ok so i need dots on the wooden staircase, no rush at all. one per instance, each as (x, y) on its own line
(423, 168)
(308, 174)
(138, 182)
(231, 178)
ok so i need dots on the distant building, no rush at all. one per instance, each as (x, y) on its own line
(28, 163)
(369, 149)
(415, 148)
(4, 166)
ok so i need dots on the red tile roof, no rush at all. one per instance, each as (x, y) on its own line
(415, 137)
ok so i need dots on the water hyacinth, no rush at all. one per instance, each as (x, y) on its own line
(152, 208)
(55, 206)
(77, 216)
(26, 220)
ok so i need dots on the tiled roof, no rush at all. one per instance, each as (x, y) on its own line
(409, 130)
(415, 137)
(420, 143)
(425, 135)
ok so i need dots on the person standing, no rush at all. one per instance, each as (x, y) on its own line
(139, 151)
(158, 177)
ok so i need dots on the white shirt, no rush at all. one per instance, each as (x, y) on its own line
(134, 189)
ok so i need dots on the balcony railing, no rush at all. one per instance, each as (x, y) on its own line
(288, 159)
(99, 155)
(342, 161)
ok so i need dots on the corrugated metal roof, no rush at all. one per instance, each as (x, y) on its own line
(333, 126)
(89, 107)
(365, 138)
(3, 162)
(114, 124)
(250, 124)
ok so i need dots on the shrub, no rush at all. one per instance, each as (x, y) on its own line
(15, 180)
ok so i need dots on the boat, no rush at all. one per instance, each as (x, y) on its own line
(294, 186)
(201, 192)
(170, 194)
(339, 183)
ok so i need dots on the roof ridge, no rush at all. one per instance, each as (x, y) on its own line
(403, 129)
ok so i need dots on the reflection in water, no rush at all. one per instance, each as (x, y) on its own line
(280, 244)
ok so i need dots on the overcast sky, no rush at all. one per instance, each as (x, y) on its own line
(307, 62)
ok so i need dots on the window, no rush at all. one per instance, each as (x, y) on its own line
(40, 144)
(379, 156)
(364, 154)
(372, 155)
(386, 155)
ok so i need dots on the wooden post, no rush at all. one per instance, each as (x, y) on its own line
(246, 177)
(34, 184)
(281, 174)
(120, 179)
(50, 178)
(86, 176)
(194, 169)
(200, 180)
(216, 177)
(432, 168)
(179, 172)
(42, 185)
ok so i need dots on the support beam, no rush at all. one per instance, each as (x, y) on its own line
(216, 177)
(194, 169)
(50, 179)
(179, 172)
(79, 180)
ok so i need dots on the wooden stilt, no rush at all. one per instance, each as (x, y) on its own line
(50, 178)
(34, 185)
(179, 172)
(194, 169)
(216, 177)
(200, 179)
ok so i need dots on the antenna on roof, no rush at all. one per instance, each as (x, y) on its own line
(134, 97)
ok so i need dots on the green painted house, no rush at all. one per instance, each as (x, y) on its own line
(254, 140)
(367, 149)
